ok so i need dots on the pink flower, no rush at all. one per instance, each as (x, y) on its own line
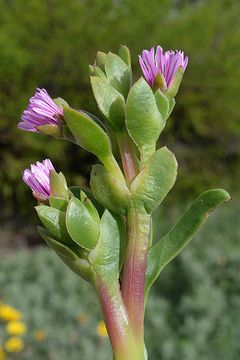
(167, 63)
(38, 179)
(41, 110)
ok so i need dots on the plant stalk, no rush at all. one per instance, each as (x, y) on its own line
(133, 281)
(128, 156)
(116, 320)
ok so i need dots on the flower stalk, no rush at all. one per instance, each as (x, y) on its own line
(133, 281)
(116, 320)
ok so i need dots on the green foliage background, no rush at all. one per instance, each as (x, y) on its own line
(50, 43)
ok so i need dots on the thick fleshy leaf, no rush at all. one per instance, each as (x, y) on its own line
(81, 267)
(91, 70)
(54, 221)
(155, 180)
(118, 73)
(76, 191)
(61, 103)
(124, 53)
(172, 103)
(180, 235)
(175, 83)
(109, 190)
(105, 256)
(55, 131)
(98, 72)
(58, 185)
(110, 102)
(60, 249)
(101, 60)
(144, 122)
(88, 133)
(162, 104)
(80, 224)
(89, 206)
(96, 120)
(58, 202)
(78, 265)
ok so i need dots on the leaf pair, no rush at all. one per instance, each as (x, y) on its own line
(79, 231)
(111, 84)
(147, 190)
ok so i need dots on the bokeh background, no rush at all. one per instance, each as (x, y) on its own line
(194, 310)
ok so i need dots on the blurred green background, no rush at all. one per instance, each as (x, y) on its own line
(49, 43)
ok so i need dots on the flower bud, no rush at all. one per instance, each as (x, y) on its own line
(38, 179)
(43, 114)
(163, 71)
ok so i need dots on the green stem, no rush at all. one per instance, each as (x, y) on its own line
(133, 281)
(128, 156)
(116, 320)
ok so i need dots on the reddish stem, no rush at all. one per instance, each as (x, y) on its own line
(133, 282)
(117, 321)
(128, 156)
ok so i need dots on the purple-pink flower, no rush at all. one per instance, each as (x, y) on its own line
(38, 179)
(41, 110)
(167, 63)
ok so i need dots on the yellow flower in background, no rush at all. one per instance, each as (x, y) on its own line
(82, 318)
(8, 313)
(2, 355)
(14, 344)
(16, 328)
(101, 329)
(40, 335)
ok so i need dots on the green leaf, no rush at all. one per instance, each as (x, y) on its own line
(58, 185)
(105, 256)
(180, 235)
(91, 70)
(159, 83)
(80, 224)
(55, 131)
(118, 73)
(98, 72)
(144, 122)
(56, 245)
(78, 265)
(175, 83)
(81, 267)
(58, 202)
(124, 53)
(76, 191)
(109, 190)
(110, 102)
(89, 206)
(155, 180)
(61, 103)
(88, 133)
(162, 104)
(95, 119)
(54, 221)
(172, 103)
(101, 60)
